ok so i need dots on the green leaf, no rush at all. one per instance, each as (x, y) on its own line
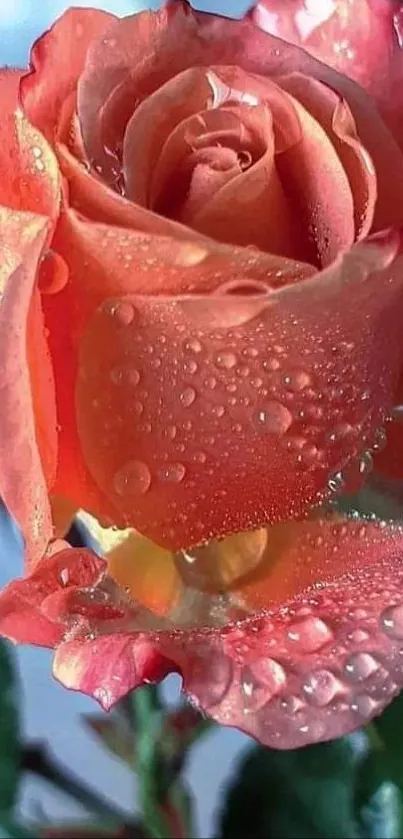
(302, 794)
(10, 829)
(379, 802)
(9, 731)
(379, 789)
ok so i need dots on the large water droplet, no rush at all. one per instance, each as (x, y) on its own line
(132, 479)
(227, 360)
(392, 621)
(397, 413)
(192, 345)
(335, 482)
(309, 634)
(297, 380)
(272, 418)
(123, 312)
(187, 397)
(172, 472)
(360, 666)
(321, 687)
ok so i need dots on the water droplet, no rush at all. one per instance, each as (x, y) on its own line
(357, 636)
(392, 621)
(335, 482)
(321, 687)
(124, 313)
(218, 410)
(397, 413)
(137, 408)
(227, 360)
(192, 345)
(272, 418)
(170, 431)
(187, 397)
(271, 364)
(190, 254)
(297, 380)
(64, 576)
(364, 705)
(360, 666)
(172, 472)
(132, 479)
(121, 375)
(190, 366)
(309, 634)
(211, 382)
(366, 464)
(200, 457)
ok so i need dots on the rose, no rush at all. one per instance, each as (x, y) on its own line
(212, 345)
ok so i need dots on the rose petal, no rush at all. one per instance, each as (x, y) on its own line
(361, 38)
(334, 115)
(107, 668)
(135, 262)
(389, 461)
(324, 662)
(22, 618)
(317, 665)
(29, 172)
(153, 121)
(309, 174)
(172, 391)
(22, 435)
(242, 208)
(57, 60)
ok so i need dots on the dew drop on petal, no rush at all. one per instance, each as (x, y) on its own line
(309, 634)
(320, 687)
(192, 345)
(360, 666)
(187, 397)
(392, 621)
(134, 478)
(227, 360)
(172, 473)
(272, 418)
(124, 313)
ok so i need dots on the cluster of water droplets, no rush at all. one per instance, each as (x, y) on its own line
(226, 380)
(308, 673)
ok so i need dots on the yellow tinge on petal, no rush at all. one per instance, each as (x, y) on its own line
(144, 569)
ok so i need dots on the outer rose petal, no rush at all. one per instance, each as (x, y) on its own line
(174, 390)
(152, 265)
(57, 60)
(22, 618)
(28, 168)
(311, 667)
(107, 668)
(361, 38)
(22, 481)
(175, 37)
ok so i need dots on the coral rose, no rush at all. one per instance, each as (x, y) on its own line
(201, 341)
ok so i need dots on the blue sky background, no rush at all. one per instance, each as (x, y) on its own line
(49, 711)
